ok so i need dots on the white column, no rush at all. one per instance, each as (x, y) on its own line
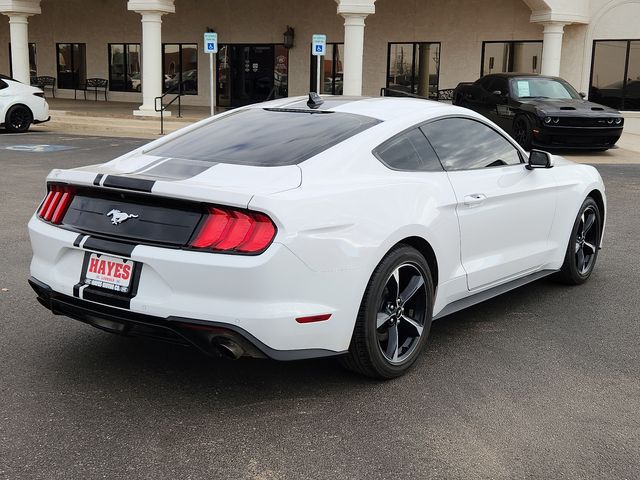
(19, 30)
(151, 12)
(19, 12)
(552, 48)
(354, 13)
(151, 62)
(353, 53)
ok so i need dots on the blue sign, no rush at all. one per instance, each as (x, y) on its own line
(319, 43)
(210, 42)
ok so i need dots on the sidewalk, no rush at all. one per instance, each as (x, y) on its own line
(87, 117)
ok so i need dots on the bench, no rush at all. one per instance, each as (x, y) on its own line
(43, 82)
(94, 85)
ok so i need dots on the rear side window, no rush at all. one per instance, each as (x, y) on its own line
(465, 144)
(409, 151)
(265, 137)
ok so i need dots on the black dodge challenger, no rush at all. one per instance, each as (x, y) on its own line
(541, 111)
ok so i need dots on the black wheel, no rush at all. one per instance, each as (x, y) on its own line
(522, 132)
(18, 119)
(582, 251)
(394, 318)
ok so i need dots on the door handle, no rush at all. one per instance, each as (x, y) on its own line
(474, 199)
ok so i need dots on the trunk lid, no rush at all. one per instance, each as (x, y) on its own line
(185, 179)
(162, 201)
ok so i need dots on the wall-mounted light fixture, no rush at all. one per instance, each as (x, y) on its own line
(288, 37)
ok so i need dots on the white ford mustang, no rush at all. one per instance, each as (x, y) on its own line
(21, 105)
(295, 229)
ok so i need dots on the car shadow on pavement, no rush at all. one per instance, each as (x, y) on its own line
(107, 361)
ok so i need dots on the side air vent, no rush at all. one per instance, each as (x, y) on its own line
(597, 109)
(567, 108)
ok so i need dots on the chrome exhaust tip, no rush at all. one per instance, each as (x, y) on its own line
(227, 348)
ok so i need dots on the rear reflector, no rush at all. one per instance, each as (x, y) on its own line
(235, 231)
(314, 318)
(56, 203)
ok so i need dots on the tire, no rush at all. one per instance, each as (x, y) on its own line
(582, 250)
(392, 328)
(522, 132)
(19, 118)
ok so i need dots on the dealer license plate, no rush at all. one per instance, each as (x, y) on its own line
(110, 273)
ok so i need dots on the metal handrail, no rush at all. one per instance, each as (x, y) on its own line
(163, 107)
(272, 94)
(384, 91)
(443, 95)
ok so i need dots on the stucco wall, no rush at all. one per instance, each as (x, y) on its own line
(460, 25)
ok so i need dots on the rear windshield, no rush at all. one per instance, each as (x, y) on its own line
(265, 137)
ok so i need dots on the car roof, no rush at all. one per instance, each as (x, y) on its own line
(381, 108)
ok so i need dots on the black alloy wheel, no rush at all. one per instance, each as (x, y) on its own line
(18, 119)
(401, 313)
(522, 132)
(395, 316)
(582, 251)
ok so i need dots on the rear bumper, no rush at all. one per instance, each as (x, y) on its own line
(203, 335)
(577, 137)
(261, 295)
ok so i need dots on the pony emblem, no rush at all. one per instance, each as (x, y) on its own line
(117, 217)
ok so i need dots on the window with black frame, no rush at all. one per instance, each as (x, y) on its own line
(331, 71)
(124, 67)
(180, 68)
(33, 67)
(71, 64)
(503, 57)
(414, 68)
(615, 74)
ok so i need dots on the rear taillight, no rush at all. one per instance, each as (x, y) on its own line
(39, 94)
(235, 231)
(56, 203)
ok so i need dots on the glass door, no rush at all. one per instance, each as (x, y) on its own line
(251, 73)
(414, 68)
(607, 75)
(615, 74)
(632, 88)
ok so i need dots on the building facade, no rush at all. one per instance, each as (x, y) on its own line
(145, 47)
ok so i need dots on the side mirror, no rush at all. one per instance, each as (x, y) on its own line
(539, 159)
(583, 95)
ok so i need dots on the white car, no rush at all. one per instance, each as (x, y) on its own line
(21, 105)
(295, 229)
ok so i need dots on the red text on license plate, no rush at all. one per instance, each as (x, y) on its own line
(107, 272)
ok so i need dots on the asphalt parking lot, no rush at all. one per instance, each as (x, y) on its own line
(543, 382)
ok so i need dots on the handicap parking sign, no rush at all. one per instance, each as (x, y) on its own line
(210, 42)
(319, 45)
